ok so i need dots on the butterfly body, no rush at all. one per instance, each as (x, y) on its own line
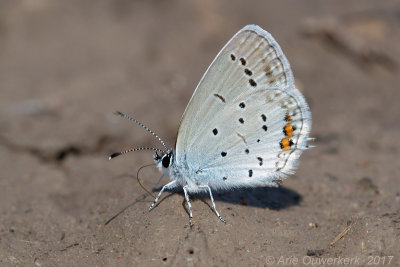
(245, 125)
(182, 175)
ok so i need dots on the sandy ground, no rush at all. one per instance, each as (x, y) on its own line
(66, 66)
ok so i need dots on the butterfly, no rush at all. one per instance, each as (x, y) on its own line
(245, 125)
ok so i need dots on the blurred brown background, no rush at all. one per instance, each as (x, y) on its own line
(65, 66)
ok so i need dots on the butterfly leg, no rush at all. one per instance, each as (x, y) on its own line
(167, 186)
(212, 201)
(188, 202)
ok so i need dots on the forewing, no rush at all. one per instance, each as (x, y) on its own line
(250, 70)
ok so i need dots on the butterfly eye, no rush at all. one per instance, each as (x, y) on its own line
(166, 160)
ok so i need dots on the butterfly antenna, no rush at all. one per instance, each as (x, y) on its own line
(113, 155)
(143, 126)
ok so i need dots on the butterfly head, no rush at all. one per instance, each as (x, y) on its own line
(165, 160)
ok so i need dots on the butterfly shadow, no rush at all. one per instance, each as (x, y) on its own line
(274, 198)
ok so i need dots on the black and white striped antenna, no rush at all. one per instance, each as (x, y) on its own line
(143, 126)
(140, 148)
(113, 155)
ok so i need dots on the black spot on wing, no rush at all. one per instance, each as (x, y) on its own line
(220, 97)
(215, 131)
(263, 117)
(252, 83)
(248, 72)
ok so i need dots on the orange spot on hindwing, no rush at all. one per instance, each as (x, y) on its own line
(288, 130)
(286, 143)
